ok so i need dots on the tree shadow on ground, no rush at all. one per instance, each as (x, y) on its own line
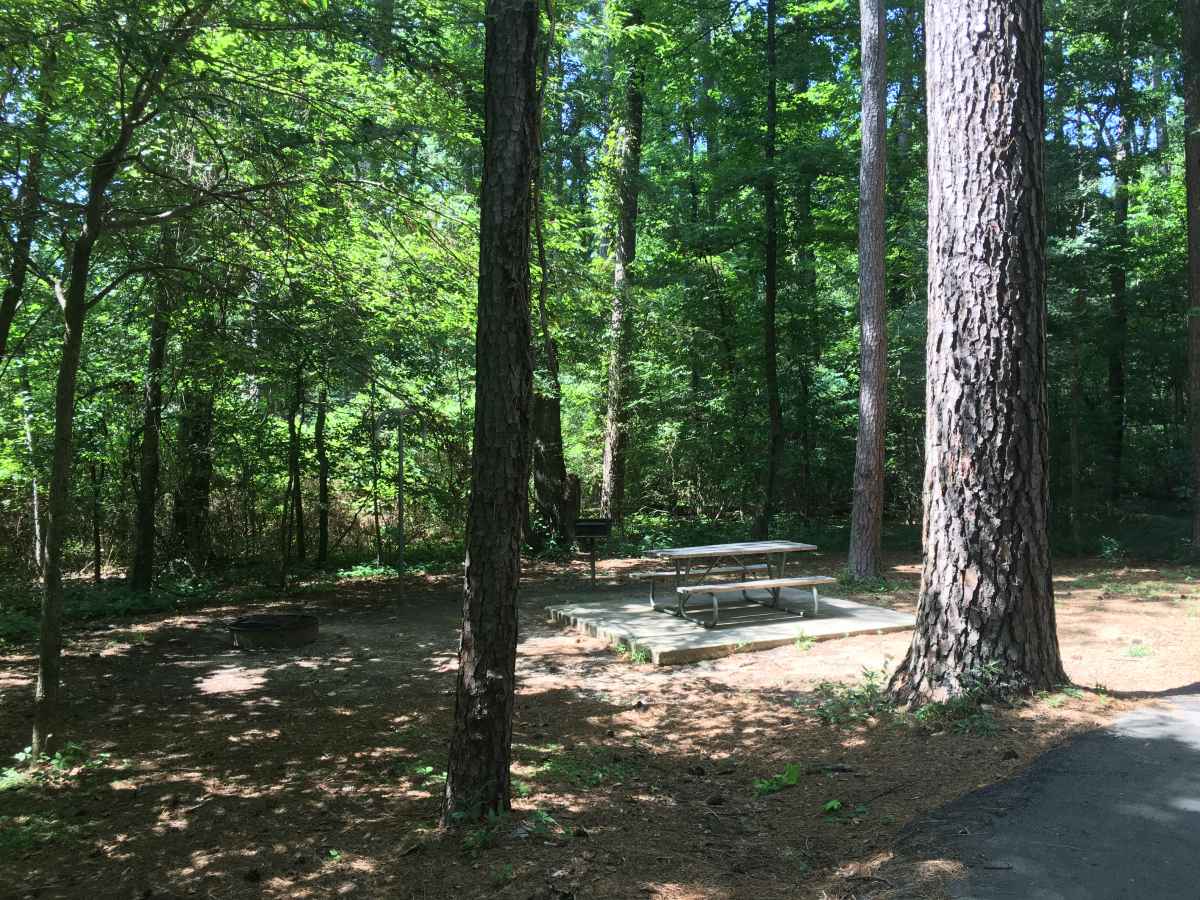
(319, 772)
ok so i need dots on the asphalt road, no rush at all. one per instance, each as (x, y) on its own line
(1113, 814)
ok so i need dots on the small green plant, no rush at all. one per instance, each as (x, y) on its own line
(1057, 698)
(1111, 549)
(829, 807)
(521, 788)
(484, 836)
(1138, 651)
(789, 777)
(969, 711)
(335, 855)
(848, 704)
(876, 585)
(502, 875)
(804, 642)
(541, 823)
(368, 570)
(586, 766)
(427, 776)
(14, 779)
(20, 833)
(71, 761)
(630, 653)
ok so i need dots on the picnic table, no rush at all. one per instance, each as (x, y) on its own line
(692, 566)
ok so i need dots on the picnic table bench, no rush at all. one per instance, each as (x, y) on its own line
(774, 585)
(693, 565)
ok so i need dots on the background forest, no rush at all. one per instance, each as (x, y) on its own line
(277, 359)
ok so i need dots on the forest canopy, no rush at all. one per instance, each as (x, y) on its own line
(281, 284)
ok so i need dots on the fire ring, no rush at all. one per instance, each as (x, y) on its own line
(273, 631)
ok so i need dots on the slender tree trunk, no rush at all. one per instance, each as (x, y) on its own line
(35, 500)
(806, 281)
(987, 600)
(322, 480)
(762, 526)
(628, 152)
(190, 513)
(96, 472)
(1119, 314)
(376, 465)
(141, 572)
(1189, 12)
(28, 206)
(866, 516)
(557, 505)
(285, 530)
(295, 428)
(1076, 463)
(555, 493)
(401, 490)
(477, 777)
(46, 697)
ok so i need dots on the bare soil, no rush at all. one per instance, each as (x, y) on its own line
(317, 772)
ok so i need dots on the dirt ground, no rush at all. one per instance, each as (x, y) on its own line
(317, 773)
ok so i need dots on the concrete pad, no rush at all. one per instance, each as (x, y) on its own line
(744, 627)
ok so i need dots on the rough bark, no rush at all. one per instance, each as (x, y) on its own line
(866, 516)
(141, 571)
(987, 603)
(322, 479)
(628, 153)
(1189, 13)
(762, 524)
(477, 775)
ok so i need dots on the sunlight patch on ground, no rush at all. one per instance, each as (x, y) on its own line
(232, 680)
(10, 680)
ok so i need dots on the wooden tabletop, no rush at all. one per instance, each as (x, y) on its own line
(747, 548)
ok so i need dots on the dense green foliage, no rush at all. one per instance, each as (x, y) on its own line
(314, 166)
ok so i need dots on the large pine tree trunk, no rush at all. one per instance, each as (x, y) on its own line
(987, 602)
(628, 152)
(1189, 13)
(477, 775)
(141, 572)
(762, 525)
(866, 516)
